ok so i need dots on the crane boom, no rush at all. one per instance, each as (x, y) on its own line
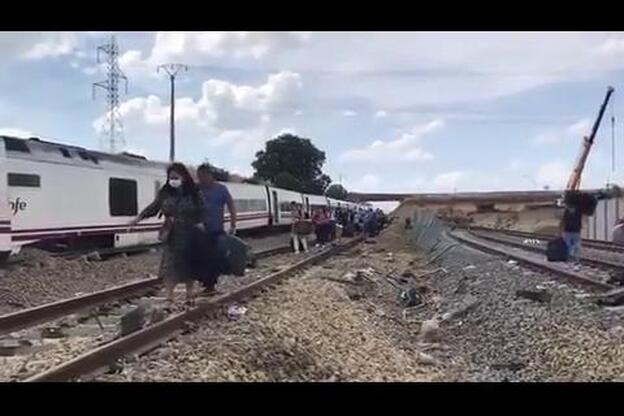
(575, 178)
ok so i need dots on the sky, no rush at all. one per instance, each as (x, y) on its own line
(394, 112)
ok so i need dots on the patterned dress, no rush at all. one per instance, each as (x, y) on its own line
(177, 258)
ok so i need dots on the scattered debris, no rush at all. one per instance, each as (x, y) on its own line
(542, 295)
(512, 262)
(370, 241)
(410, 297)
(236, 312)
(52, 332)
(470, 267)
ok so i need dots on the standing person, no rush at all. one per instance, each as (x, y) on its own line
(180, 203)
(215, 196)
(301, 227)
(319, 220)
(570, 228)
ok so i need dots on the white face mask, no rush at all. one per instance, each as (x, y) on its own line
(176, 183)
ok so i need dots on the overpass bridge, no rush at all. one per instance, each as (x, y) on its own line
(478, 197)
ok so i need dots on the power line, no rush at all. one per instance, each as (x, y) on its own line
(112, 130)
(172, 70)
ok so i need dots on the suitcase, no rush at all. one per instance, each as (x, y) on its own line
(557, 250)
(235, 253)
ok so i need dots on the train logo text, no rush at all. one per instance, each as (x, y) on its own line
(17, 205)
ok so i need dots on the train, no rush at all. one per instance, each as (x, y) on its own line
(62, 196)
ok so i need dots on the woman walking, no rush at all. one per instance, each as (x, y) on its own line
(179, 201)
(301, 228)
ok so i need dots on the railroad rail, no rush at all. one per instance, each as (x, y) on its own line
(151, 336)
(584, 258)
(44, 313)
(587, 242)
(558, 270)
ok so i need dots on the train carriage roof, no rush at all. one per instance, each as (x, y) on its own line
(36, 148)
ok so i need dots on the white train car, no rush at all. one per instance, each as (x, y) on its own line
(61, 193)
(70, 196)
(252, 209)
(312, 202)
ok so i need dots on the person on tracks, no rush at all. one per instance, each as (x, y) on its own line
(215, 197)
(301, 227)
(182, 206)
(570, 228)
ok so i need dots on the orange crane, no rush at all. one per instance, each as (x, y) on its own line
(575, 178)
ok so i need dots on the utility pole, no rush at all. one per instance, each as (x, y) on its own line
(112, 130)
(172, 70)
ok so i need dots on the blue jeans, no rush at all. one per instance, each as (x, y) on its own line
(573, 241)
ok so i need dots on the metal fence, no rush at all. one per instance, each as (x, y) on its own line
(430, 234)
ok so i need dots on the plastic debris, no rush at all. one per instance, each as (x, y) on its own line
(236, 312)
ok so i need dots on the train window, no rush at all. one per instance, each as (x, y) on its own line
(15, 145)
(247, 205)
(122, 197)
(65, 152)
(94, 159)
(83, 155)
(285, 206)
(25, 180)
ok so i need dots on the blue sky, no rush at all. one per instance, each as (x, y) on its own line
(409, 112)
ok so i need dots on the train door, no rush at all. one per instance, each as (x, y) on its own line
(307, 205)
(276, 208)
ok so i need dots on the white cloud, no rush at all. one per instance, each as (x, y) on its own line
(381, 114)
(580, 128)
(612, 46)
(36, 45)
(573, 132)
(404, 148)
(13, 132)
(193, 46)
(225, 114)
(349, 113)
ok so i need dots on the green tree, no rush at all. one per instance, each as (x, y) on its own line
(337, 191)
(296, 156)
(287, 181)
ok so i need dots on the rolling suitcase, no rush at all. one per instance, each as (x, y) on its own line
(557, 250)
(235, 253)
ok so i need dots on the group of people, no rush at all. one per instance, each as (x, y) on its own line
(194, 222)
(324, 223)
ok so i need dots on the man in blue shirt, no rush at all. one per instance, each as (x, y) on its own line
(215, 196)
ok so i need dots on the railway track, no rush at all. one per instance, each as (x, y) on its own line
(102, 353)
(589, 243)
(50, 311)
(594, 274)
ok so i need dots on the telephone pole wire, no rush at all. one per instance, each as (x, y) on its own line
(172, 70)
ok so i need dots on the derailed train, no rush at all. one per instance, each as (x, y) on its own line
(72, 197)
